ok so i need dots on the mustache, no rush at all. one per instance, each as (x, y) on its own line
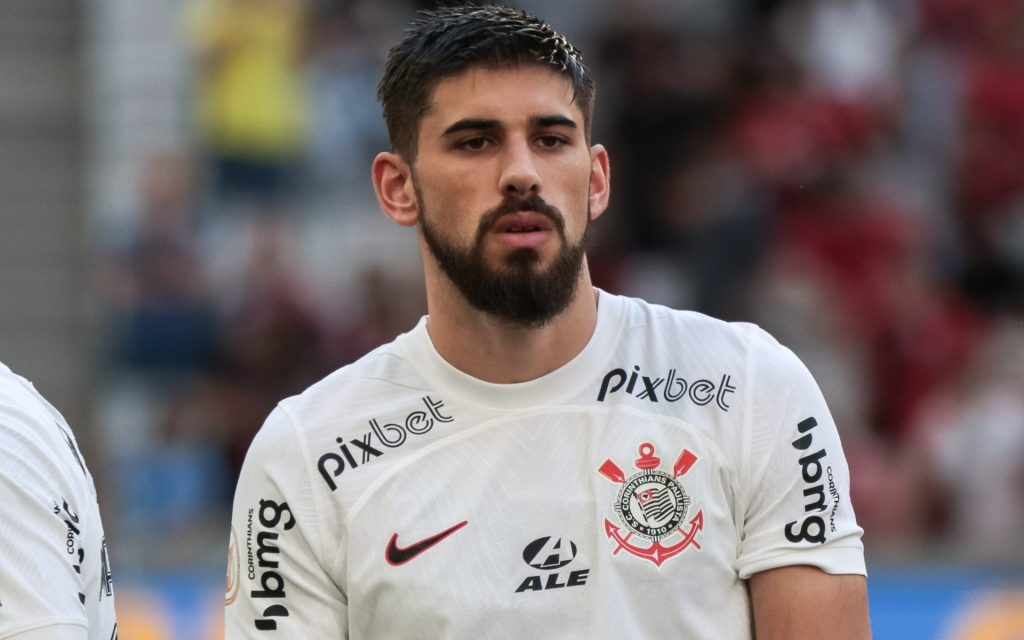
(533, 202)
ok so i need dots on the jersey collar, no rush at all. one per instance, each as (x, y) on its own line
(557, 385)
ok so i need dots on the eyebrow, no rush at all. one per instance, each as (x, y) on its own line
(484, 124)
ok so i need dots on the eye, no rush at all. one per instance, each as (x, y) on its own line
(551, 141)
(473, 144)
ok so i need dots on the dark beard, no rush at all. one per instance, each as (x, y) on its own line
(518, 292)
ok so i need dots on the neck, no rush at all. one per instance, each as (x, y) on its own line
(497, 351)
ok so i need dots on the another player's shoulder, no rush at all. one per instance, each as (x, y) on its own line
(40, 461)
(30, 427)
(20, 403)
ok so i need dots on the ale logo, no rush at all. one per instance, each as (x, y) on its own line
(550, 554)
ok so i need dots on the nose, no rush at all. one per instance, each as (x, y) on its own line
(519, 176)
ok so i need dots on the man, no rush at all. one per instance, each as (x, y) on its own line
(55, 581)
(538, 458)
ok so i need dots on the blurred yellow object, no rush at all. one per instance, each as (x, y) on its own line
(141, 616)
(997, 615)
(215, 629)
(251, 88)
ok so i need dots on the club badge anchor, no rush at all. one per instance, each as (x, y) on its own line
(652, 504)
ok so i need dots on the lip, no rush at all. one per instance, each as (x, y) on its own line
(523, 229)
(522, 222)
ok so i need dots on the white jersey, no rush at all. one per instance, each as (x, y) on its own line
(54, 569)
(628, 494)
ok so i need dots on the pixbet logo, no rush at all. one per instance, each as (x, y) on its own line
(390, 435)
(550, 554)
(670, 388)
(812, 528)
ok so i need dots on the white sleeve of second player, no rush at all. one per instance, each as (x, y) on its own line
(277, 583)
(796, 492)
(42, 520)
(56, 632)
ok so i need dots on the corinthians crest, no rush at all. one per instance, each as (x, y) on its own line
(653, 505)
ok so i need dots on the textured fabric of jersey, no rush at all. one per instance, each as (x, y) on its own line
(54, 568)
(626, 495)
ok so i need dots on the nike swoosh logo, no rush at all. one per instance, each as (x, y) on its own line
(397, 556)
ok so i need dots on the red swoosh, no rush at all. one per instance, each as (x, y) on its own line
(397, 556)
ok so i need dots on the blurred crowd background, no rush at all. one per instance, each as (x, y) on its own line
(849, 174)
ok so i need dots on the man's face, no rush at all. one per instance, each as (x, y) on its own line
(502, 180)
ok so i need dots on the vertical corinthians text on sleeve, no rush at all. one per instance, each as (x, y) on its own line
(628, 494)
(54, 570)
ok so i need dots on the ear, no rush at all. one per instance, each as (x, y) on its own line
(392, 181)
(600, 180)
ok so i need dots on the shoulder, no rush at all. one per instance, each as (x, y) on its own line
(367, 383)
(374, 382)
(35, 441)
(681, 347)
(48, 493)
(21, 406)
(713, 334)
(693, 331)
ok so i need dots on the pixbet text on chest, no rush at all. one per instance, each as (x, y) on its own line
(670, 388)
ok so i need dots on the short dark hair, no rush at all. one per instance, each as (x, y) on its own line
(447, 41)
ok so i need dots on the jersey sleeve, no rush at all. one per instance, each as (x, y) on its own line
(55, 632)
(41, 529)
(795, 496)
(278, 584)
